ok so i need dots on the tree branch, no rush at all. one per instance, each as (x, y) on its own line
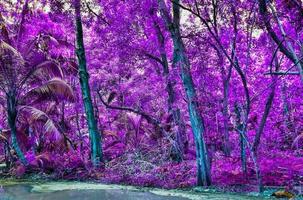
(282, 73)
(266, 19)
(147, 117)
(97, 15)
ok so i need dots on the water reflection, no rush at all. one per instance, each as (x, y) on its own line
(24, 192)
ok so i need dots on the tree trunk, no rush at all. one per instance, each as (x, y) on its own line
(79, 134)
(181, 60)
(95, 138)
(180, 139)
(241, 129)
(7, 151)
(12, 115)
(288, 127)
(7, 154)
(226, 147)
(268, 106)
(226, 76)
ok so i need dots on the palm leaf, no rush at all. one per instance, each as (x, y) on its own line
(47, 68)
(35, 115)
(52, 40)
(51, 108)
(72, 67)
(11, 60)
(53, 89)
(29, 47)
(7, 50)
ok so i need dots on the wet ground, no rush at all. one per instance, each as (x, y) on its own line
(23, 190)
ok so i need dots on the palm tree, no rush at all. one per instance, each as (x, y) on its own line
(24, 81)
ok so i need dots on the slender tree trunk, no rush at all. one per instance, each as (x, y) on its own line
(268, 104)
(95, 139)
(8, 155)
(267, 108)
(242, 112)
(241, 129)
(288, 123)
(7, 151)
(255, 161)
(97, 114)
(79, 134)
(226, 146)
(226, 76)
(181, 60)
(180, 140)
(62, 125)
(12, 115)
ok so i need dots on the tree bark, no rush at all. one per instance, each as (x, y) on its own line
(226, 146)
(288, 127)
(180, 139)
(6, 150)
(260, 129)
(80, 137)
(241, 129)
(12, 116)
(226, 76)
(94, 135)
(267, 108)
(181, 60)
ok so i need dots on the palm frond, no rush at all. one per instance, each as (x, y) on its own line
(51, 108)
(48, 68)
(72, 67)
(35, 115)
(51, 39)
(53, 89)
(10, 61)
(7, 50)
(29, 47)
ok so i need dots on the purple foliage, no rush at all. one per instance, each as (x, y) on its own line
(130, 97)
